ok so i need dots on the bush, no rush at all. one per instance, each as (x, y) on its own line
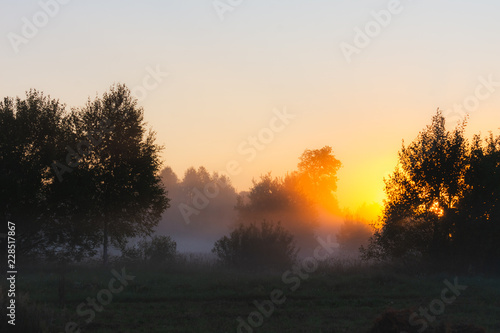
(270, 246)
(158, 250)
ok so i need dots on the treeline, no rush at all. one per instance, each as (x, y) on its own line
(202, 208)
(79, 180)
(206, 206)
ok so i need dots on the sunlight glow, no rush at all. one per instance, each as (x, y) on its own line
(436, 209)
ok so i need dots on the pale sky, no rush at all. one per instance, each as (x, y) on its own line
(226, 78)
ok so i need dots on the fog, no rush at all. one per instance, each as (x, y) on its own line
(201, 209)
(204, 207)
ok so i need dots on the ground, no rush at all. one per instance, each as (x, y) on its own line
(210, 300)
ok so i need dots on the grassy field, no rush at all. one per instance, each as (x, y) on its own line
(211, 300)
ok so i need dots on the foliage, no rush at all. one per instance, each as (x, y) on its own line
(68, 183)
(442, 199)
(476, 225)
(296, 198)
(317, 176)
(267, 246)
(34, 132)
(157, 250)
(120, 176)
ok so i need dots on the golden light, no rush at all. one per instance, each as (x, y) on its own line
(436, 209)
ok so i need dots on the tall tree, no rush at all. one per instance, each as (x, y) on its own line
(33, 133)
(119, 173)
(425, 189)
(476, 226)
(317, 177)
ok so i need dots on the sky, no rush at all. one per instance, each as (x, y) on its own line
(255, 83)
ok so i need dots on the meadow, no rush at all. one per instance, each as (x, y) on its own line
(340, 297)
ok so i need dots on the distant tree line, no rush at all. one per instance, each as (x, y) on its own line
(202, 205)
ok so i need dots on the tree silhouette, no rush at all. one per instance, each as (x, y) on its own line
(277, 199)
(121, 174)
(317, 177)
(294, 199)
(476, 226)
(426, 185)
(33, 133)
(73, 181)
(202, 207)
(442, 199)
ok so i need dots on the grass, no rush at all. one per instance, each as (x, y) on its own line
(211, 300)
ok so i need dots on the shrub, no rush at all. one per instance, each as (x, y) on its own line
(267, 246)
(158, 250)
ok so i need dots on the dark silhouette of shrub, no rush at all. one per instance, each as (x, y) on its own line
(252, 247)
(158, 250)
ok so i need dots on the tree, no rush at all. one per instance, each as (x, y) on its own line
(425, 189)
(317, 177)
(476, 225)
(443, 200)
(296, 198)
(67, 181)
(268, 195)
(33, 133)
(274, 199)
(120, 174)
(267, 246)
(202, 207)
